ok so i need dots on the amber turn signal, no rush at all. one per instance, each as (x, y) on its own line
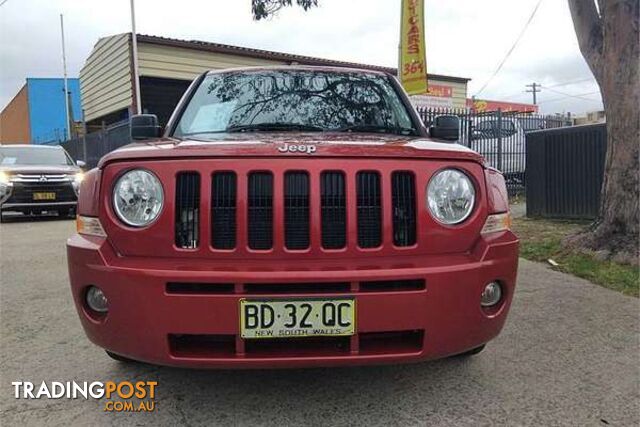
(497, 222)
(90, 226)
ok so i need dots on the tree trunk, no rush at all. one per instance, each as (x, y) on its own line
(610, 42)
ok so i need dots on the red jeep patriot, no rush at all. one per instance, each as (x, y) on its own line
(289, 217)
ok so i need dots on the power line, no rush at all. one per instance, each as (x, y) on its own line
(526, 25)
(569, 94)
(2, 2)
(572, 96)
(522, 93)
(588, 79)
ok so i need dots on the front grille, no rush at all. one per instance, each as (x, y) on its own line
(369, 209)
(192, 346)
(290, 288)
(404, 208)
(187, 210)
(190, 288)
(246, 211)
(40, 178)
(296, 210)
(260, 206)
(223, 210)
(333, 203)
(23, 192)
(296, 288)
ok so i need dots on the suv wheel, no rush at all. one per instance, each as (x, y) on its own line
(119, 358)
(471, 352)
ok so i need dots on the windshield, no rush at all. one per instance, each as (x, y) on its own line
(33, 156)
(302, 100)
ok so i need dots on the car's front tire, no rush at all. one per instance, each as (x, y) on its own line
(471, 352)
(119, 358)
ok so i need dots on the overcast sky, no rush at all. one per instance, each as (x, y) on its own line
(466, 38)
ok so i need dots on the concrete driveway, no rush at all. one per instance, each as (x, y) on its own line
(569, 355)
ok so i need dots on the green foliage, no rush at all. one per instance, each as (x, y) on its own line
(264, 8)
(541, 240)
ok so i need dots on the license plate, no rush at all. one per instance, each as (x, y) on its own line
(44, 196)
(297, 318)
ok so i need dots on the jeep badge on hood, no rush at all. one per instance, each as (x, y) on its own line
(302, 148)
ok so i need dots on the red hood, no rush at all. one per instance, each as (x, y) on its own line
(267, 144)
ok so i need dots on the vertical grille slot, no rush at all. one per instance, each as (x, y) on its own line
(296, 210)
(187, 210)
(333, 210)
(223, 210)
(369, 209)
(404, 208)
(260, 210)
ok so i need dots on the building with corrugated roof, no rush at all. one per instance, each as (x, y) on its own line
(167, 67)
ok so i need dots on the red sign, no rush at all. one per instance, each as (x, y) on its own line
(482, 105)
(440, 91)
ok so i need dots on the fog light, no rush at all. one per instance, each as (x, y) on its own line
(96, 300)
(491, 295)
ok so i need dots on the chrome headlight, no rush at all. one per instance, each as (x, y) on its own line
(450, 196)
(76, 180)
(138, 198)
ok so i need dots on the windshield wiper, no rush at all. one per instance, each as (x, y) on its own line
(273, 126)
(375, 128)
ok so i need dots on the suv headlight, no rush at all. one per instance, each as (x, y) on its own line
(76, 180)
(138, 198)
(450, 196)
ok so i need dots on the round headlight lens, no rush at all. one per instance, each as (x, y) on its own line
(450, 196)
(138, 198)
(96, 300)
(491, 295)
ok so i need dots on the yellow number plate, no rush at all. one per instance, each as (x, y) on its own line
(297, 318)
(44, 196)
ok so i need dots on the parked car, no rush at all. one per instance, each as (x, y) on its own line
(292, 217)
(534, 123)
(36, 179)
(502, 142)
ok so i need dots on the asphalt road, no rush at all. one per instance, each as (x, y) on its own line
(569, 355)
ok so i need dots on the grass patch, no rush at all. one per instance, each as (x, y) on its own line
(541, 239)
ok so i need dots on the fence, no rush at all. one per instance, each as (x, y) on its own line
(500, 137)
(91, 147)
(566, 169)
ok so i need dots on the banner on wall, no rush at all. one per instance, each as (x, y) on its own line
(412, 69)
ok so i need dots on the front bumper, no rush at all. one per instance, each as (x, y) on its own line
(146, 322)
(18, 196)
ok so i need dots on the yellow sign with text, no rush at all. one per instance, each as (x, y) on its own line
(413, 63)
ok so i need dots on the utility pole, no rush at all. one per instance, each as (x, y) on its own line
(67, 128)
(535, 88)
(134, 51)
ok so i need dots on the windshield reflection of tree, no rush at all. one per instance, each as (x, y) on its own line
(329, 101)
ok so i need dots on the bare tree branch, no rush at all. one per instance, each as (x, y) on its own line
(588, 25)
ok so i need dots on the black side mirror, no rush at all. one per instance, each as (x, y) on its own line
(144, 126)
(445, 127)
